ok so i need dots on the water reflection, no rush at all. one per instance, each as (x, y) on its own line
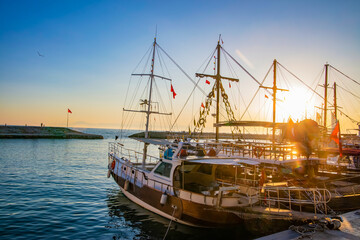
(143, 224)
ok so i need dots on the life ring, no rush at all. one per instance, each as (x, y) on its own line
(258, 151)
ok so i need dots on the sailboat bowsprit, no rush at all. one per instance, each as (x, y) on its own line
(216, 184)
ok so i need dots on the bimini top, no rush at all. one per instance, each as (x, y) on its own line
(224, 161)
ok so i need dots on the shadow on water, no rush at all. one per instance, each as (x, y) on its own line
(144, 224)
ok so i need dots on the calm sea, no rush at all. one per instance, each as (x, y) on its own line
(57, 188)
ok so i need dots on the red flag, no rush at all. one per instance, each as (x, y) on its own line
(207, 81)
(69, 111)
(266, 96)
(202, 105)
(229, 85)
(172, 90)
(336, 136)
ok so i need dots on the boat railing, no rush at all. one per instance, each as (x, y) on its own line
(296, 197)
(135, 157)
(254, 150)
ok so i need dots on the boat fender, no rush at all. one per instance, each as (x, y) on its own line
(109, 173)
(126, 185)
(163, 198)
(113, 164)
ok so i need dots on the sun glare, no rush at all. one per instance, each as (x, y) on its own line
(296, 104)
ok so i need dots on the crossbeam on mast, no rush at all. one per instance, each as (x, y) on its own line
(144, 111)
(151, 75)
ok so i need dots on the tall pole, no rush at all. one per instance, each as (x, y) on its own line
(218, 79)
(149, 105)
(274, 101)
(325, 96)
(67, 121)
(335, 104)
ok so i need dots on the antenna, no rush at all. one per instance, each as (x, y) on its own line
(155, 31)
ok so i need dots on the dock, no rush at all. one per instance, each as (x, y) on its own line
(31, 132)
(350, 229)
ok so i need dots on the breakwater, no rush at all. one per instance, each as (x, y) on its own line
(44, 132)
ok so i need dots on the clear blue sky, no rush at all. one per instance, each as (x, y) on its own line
(91, 47)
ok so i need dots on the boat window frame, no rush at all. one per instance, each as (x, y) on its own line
(161, 173)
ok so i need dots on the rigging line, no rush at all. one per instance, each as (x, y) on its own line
(147, 53)
(317, 84)
(196, 85)
(244, 69)
(330, 104)
(167, 70)
(345, 75)
(256, 92)
(142, 58)
(348, 91)
(182, 70)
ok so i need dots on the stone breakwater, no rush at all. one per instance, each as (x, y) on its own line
(44, 132)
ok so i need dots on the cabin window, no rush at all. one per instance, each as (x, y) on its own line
(163, 169)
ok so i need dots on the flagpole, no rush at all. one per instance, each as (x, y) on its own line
(67, 121)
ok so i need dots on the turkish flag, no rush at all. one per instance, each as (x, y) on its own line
(207, 81)
(173, 91)
(229, 85)
(202, 105)
(69, 111)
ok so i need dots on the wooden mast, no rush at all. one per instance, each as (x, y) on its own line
(217, 78)
(149, 105)
(274, 101)
(325, 96)
(274, 88)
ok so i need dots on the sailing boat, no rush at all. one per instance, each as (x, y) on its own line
(207, 185)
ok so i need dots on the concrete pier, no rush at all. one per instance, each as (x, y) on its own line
(44, 132)
(350, 229)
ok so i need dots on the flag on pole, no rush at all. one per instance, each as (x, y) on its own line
(202, 105)
(173, 91)
(229, 85)
(266, 96)
(207, 81)
(336, 136)
(69, 111)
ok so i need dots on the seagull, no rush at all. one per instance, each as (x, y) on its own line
(40, 55)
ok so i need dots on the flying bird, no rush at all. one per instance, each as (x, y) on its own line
(40, 55)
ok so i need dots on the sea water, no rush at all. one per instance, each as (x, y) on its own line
(57, 188)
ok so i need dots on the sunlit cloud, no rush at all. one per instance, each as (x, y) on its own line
(244, 59)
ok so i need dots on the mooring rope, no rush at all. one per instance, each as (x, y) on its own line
(170, 222)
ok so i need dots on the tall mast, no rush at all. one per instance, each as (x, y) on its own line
(325, 96)
(274, 89)
(274, 101)
(335, 104)
(218, 79)
(149, 104)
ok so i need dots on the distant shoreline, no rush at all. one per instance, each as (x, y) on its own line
(32, 132)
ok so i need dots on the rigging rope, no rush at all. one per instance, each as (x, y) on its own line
(256, 92)
(196, 86)
(344, 74)
(348, 91)
(331, 105)
(244, 69)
